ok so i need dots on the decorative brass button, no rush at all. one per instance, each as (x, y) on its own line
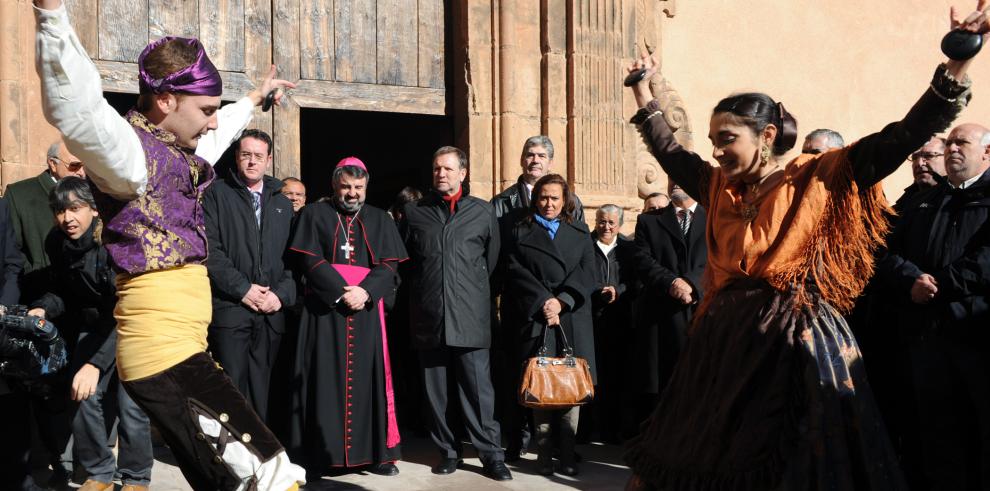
(246, 438)
(218, 459)
(224, 418)
(201, 437)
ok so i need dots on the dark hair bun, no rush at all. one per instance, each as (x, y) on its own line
(758, 110)
(786, 131)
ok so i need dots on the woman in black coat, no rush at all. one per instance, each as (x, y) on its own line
(549, 284)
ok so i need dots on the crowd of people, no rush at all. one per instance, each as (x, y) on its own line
(270, 340)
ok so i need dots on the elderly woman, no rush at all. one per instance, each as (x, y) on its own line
(614, 282)
(770, 392)
(548, 286)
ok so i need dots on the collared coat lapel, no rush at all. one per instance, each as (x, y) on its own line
(670, 223)
(536, 237)
(697, 230)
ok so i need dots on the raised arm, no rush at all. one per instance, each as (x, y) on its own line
(685, 167)
(72, 101)
(878, 155)
(232, 119)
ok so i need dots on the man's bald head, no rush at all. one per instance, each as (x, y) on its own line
(967, 152)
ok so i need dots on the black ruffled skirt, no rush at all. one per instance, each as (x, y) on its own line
(766, 396)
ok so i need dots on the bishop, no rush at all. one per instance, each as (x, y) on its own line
(343, 403)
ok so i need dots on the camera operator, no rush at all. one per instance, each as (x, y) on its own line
(14, 471)
(81, 293)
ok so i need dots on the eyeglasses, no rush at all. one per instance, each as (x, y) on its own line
(72, 166)
(925, 155)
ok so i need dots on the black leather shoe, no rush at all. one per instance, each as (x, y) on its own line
(568, 470)
(384, 469)
(446, 466)
(498, 471)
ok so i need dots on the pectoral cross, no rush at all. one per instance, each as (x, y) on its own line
(347, 248)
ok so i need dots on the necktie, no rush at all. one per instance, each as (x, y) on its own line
(256, 198)
(684, 217)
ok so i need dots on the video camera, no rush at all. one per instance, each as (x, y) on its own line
(30, 347)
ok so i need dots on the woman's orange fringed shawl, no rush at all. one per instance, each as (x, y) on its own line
(816, 226)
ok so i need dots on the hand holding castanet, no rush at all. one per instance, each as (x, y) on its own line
(642, 70)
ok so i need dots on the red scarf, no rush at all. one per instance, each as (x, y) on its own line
(452, 199)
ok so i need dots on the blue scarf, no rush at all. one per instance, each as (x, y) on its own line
(551, 226)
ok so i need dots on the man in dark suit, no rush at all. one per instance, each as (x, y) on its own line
(938, 269)
(248, 220)
(671, 260)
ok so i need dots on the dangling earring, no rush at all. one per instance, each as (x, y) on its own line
(765, 156)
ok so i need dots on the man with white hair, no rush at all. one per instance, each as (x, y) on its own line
(821, 141)
(939, 269)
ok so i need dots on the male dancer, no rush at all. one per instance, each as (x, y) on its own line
(151, 169)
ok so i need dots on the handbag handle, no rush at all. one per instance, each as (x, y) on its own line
(568, 350)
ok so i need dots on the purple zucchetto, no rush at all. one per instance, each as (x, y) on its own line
(200, 78)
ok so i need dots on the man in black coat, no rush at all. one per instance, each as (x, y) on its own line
(248, 222)
(82, 294)
(453, 243)
(938, 268)
(670, 259)
(875, 318)
(536, 161)
(31, 220)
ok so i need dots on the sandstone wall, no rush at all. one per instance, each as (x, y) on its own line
(24, 133)
(522, 67)
(849, 65)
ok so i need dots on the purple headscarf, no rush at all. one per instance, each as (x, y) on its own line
(200, 78)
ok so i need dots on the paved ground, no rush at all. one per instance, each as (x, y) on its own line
(602, 469)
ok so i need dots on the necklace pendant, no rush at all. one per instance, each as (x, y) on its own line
(748, 212)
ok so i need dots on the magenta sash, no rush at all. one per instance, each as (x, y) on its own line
(353, 275)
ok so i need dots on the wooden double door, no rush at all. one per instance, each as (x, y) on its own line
(369, 55)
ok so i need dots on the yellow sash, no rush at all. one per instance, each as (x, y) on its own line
(162, 319)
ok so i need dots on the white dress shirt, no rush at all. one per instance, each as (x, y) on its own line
(72, 100)
(968, 182)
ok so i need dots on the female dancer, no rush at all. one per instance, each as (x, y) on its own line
(770, 392)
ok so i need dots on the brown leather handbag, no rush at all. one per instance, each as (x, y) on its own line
(556, 383)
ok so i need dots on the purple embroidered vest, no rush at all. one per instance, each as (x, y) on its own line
(164, 227)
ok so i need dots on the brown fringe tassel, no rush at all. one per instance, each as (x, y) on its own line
(838, 257)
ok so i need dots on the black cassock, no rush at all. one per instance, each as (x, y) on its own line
(343, 410)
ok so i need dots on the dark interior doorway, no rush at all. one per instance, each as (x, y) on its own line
(397, 148)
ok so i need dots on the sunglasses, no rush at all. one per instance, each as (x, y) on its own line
(72, 166)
